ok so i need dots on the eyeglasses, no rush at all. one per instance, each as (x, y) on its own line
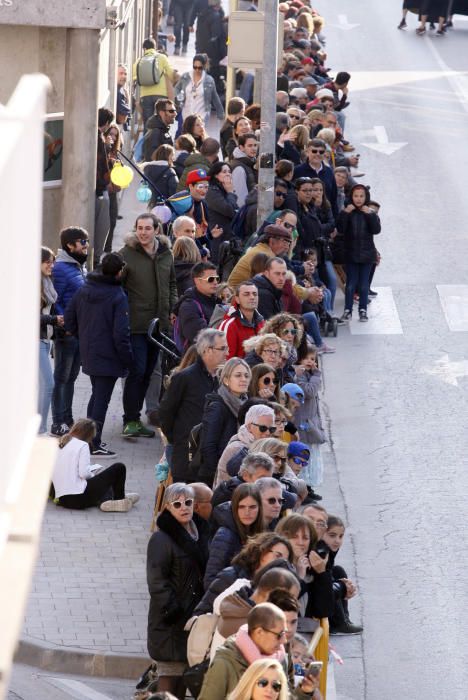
(269, 380)
(178, 504)
(223, 348)
(278, 458)
(271, 352)
(289, 331)
(287, 225)
(278, 193)
(84, 241)
(263, 682)
(321, 151)
(210, 279)
(171, 111)
(265, 428)
(278, 635)
(271, 501)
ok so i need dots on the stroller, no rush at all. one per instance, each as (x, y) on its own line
(170, 357)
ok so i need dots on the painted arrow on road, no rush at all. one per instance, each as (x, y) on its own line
(344, 24)
(382, 144)
(448, 371)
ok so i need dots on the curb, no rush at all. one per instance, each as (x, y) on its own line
(73, 660)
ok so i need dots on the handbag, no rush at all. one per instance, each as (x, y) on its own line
(193, 677)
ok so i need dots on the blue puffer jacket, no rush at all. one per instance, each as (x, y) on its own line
(68, 277)
(98, 315)
(225, 544)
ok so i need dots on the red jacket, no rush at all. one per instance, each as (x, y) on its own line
(238, 329)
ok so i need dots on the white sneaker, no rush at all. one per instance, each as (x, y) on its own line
(122, 505)
(133, 497)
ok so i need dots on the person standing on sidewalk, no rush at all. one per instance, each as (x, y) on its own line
(49, 321)
(149, 280)
(98, 316)
(153, 75)
(182, 10)
(68, 276)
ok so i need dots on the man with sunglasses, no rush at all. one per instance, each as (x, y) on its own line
(315, 167)
(158, 127)
(68, 277)
(195, 308)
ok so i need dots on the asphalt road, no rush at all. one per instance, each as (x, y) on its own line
(398, 400)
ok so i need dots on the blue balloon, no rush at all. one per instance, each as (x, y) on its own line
(143, 193)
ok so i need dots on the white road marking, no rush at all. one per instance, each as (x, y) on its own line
(343, 23)
(454, 302)
(383, 316)
(383, 145)
(371, 80)
(77, 690)
(447, 371)
(457, 80)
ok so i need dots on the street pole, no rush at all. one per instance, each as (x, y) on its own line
(266, 172)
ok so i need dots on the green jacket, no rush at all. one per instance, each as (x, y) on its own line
(224, 673)
(149, 282)
(193, 162)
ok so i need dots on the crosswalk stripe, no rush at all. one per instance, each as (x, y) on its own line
(383, 316)
(454, 302)
(78, 690)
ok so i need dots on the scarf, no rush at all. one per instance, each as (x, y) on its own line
(250, 650)
(232, 401)
(48, 290)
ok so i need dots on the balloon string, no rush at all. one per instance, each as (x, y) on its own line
(141, 174)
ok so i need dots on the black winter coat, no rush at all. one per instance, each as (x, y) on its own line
(164, 178)
(321, 599)
(269, 297)
(194, 311)
(183, 275)
(211, 31)
(98, 315)
(358, 230)
(223, 580)
(181, 408)
(224, 491)
(219, 425)
(225, 544)
(309, 227)
(157, 134)
(174, 569)
(222, 206)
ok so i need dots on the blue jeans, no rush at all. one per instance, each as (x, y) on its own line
(145, 354)
(327, 297)
(99, 403)
(67, 368)
(332, 281)
(357, 276)
(312, 327)
(182, 12)
(46, 383)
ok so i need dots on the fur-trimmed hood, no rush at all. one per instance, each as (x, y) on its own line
(162, 241)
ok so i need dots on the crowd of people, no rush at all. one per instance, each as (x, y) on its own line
(242, 561)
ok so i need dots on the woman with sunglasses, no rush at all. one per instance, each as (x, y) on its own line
(290, 331)
(219, 419)
(264, 383)
(196, 91)
(278, 451)
(176, 563)
(317, 598)
(236, 521)
(263, 680)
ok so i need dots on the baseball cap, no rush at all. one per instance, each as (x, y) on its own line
(298, 92)
(309, 81)
(294, 391)
(198, 175)
(298, 449)
(324, 92)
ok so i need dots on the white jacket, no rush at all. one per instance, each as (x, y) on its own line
(72, 468)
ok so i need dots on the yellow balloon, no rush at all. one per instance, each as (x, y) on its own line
(121, 175)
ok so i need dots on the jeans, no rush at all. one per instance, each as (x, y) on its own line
(312, 327)
(145, 355)
(357, 275)
(147, 106)
(99, 403)
(327, 297)
(67, 368)
(331, 280)
(182, 12)
(46, 383)
(107, 485)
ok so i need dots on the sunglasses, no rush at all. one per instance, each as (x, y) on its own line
(289, 331)
(171, 111)
(318, 150)
(178, 504)
(278, 193)
(298, 460)
(287, 225)
(210, 279)
(264, 682)
(272, 501)
(84, 241)
(268, 380)
(198, 68)
(278, 458)
(265, 428)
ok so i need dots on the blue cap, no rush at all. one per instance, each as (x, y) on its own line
(294, 391)
(298, 449)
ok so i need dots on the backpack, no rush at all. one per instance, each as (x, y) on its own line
(201, 634)
(147, 70)
(238, 222)
(228, 255)
(179, 340)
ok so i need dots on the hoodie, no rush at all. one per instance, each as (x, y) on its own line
(68, 276)
(157, 134)
(244, 177)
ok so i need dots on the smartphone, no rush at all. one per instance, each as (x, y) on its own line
(322, 549)
(313, 668)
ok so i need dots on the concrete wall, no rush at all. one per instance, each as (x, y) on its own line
(55, 13)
